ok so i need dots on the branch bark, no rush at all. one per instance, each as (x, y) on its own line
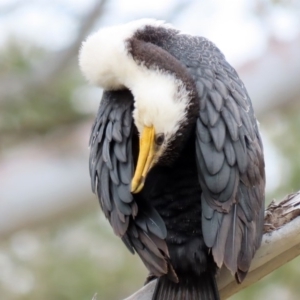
(281, 243)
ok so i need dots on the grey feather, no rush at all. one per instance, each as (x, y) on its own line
(149, 244)
(99, 135)
(121, 216)
(219, 248)
(124, 170)
(120, 151)
(239, 87)
(124, 193)
(209, 73)
(208, 82)
(229, 152)
(216, 99)
(210, 227)
(141, 222)
(134, 209)
(207, 211)
(160, 243)
(213, 115)
(233, 109)
(118, 226)
(127, 118)
(106, 154)
(128, 244)
(126, 130)
(95, 166)
(201, 90)
(156, 265)
(231, 124)
(244, 202)
(104, 188)
(116, 132)
(116, 110)
(123, 207)
(233, 243)
(202, 132)
(213, 158)
(137, 243)
(114, 172)
(240, 99)
(228, 194)
(218, 134)
(204, 116)
(155, 223)
(241, 156)
(108, 131)
(133, 231)
(248, 124)
(221, 88)
(215, 183)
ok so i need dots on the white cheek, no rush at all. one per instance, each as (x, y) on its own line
(138, 121)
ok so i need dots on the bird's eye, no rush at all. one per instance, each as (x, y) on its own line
(159, 139)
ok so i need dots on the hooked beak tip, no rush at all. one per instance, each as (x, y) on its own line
(136, 187)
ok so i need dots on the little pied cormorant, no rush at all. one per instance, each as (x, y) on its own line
(176, 156)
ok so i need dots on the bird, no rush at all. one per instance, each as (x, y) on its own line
(176, 156)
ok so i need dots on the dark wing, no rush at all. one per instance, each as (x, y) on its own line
(111, 164)
(229, 157)
(113, 152)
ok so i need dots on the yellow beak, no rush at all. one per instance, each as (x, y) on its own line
(145, 159)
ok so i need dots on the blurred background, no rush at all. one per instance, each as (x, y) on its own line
(54, 241)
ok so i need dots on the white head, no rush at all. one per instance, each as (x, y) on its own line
(160, 97)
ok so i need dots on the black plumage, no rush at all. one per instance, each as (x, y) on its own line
(202, 203)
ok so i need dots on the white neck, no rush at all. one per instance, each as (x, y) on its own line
(160, 99)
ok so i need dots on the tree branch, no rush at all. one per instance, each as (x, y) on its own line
(281, 243)
(63, 60)
(53, 66)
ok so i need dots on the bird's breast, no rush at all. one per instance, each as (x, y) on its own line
(176, 195)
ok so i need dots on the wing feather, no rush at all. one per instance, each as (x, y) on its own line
(212, 113)
(218, 134)
(108, 131)
(120, 151)
(229, 157)
(216, 99)
(111, 169)
(202, 132)
(213, 158)
(232, 107)
(232, 126)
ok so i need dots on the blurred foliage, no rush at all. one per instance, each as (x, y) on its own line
(282, 127)
(14, 58)
(286, 137)
(73, 259)
(37, 109)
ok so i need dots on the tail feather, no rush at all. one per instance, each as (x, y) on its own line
(203, 287)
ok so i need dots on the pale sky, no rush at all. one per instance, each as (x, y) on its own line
(231, 25)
